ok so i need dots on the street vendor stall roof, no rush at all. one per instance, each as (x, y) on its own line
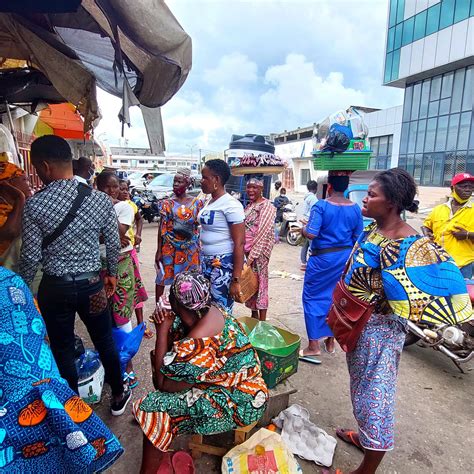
(134, 49)
(63, 121)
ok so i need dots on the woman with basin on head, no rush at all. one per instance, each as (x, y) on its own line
(207, 374)
(333, 227)
(222, 235)
(407, 276)
(178, 233)
(259, 239)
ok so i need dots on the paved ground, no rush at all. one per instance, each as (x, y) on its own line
(434, 418)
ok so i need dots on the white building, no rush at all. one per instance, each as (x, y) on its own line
(133, 158)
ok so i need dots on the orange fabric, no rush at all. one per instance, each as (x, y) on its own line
(9, 170)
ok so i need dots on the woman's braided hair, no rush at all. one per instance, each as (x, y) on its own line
(399, 188)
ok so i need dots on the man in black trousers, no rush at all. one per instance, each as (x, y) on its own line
(61, 229)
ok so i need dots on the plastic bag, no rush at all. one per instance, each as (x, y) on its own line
(128, 343)
(337, 142)
(265, 336)
(263, 453)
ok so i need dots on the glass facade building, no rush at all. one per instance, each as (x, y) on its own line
(430, 53)
(437, 138)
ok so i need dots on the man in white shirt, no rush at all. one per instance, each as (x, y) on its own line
(309, 201)
(83, 170)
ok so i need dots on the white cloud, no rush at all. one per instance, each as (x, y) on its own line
(265, 67)
(232, 70)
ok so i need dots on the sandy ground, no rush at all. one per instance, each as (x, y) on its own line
(434, 406)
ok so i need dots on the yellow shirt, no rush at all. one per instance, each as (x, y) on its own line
(131, 230)
(443, 223)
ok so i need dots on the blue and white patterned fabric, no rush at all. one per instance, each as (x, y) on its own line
(44, 425)
(373, 368)
(218, 270)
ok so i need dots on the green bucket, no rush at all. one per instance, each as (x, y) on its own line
(280, 362)
(349, 160)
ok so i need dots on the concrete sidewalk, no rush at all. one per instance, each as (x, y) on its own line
(434, 405)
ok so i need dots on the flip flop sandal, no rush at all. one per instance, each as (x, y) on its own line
(183, 463)
(165, 466)
(326, 348)
(344, 434)
(312, 359)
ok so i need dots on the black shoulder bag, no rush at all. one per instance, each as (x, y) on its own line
(82, 192)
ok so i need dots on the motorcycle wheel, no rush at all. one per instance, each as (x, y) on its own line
(293, 238)
(410, 339)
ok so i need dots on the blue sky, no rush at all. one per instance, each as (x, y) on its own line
(264, 66)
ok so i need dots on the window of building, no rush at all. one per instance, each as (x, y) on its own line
(142, 162)
(447, 14)
(432, 19)
(407, 35)
(439, 140)
(420, 26)
(305, 176)
(381, 152)
(461, 11)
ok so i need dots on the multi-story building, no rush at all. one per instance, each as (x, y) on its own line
(133, 158)
(430, 53)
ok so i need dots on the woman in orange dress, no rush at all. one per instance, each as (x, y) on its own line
(178, 234)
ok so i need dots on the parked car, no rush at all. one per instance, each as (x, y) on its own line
(139, 178)
(162, 186)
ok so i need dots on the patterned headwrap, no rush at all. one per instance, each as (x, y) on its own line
(9, 171)
(192, 290)
(255, 181)
(185, 173)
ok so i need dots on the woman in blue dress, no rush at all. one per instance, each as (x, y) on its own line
(333, 228)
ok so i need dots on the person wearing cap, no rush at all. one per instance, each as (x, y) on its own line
(451, 224)
(207, 375)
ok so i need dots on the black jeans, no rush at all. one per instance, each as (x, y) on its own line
(59, 301)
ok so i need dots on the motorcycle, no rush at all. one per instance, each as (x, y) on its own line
(147, 204)
(456, 341)
(289, 221)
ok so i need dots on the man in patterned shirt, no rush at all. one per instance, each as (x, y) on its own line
(71, 262)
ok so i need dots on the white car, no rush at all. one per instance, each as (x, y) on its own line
(162, 186)
(138, 179)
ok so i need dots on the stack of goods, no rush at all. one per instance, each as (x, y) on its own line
(251, 163)
(253, 154)
(340, 142)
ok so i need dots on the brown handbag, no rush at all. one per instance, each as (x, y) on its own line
(248, 284)
(348, 314)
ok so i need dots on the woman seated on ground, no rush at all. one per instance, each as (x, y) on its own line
(44, 425)
(207, 373)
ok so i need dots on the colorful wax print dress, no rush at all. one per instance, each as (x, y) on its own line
(412, 278)
(44, 426)
(228, 390)
(178, 254)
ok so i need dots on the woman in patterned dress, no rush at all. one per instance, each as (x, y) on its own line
(259, 239)
(208, 375)
(44, 425)
(409, 277)
(178, 234)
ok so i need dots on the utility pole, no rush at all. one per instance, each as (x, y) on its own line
(200, 160)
